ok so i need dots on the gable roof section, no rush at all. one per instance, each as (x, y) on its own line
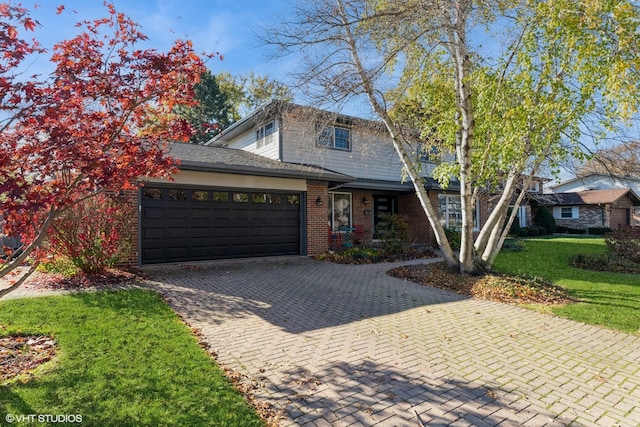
(227, 160)
(589, 197)
(595, 175)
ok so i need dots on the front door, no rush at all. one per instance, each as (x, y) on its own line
(383, 205)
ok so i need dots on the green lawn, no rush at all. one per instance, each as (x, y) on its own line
(606, 299)
(125, 359)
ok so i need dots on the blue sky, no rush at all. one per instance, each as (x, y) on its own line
(221, 26)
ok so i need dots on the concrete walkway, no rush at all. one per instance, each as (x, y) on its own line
(338, 345)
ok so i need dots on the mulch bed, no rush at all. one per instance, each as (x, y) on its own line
(506, 289)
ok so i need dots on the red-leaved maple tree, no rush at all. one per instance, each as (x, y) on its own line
(102, 118)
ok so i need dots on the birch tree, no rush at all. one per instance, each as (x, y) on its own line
(506, 85)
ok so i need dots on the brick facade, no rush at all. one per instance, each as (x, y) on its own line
(317, 229)
(410, 209)
(130, 197)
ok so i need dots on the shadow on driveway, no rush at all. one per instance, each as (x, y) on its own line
(297, 294)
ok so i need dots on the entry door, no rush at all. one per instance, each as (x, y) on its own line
(383, 205)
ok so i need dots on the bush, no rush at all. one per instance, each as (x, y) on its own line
(604, 262)
(393, 231)
(90, 234)
(599, 231)
(454, 236)
(540, 230)
(576, 230)
(513, 245)
(533, 231)
(625, 243)
(544, 218)
(524, 232)
(561, 229)
(514, 230)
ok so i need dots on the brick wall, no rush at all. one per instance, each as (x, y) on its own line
(317, 219)
(590, 216)
(409, 208)
(130, 197)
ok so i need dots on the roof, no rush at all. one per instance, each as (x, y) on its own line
(227, 160)
(266, 112)
(594, 175)
(589, 197)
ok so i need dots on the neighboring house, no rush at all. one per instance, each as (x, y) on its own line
(525, 211)
(591, 208)
(283, 181)
(596, 181)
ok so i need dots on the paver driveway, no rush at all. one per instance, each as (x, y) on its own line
(349, 345)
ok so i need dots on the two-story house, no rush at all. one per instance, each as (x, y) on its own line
(281, 181)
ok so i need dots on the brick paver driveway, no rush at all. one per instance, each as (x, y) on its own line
(348, 345)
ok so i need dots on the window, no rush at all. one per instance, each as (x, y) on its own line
(340, 211)
(200, 196)
(263, 132)
(534, 187)
(428, 153)
(566, 212)
(450, 211)
(152, 193)
(334, 137)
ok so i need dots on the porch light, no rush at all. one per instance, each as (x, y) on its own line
(319, 201)
(364, 200)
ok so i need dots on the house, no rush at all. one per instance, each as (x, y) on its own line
(598, 181)
(282, 181)
(525, 211)
(581, 210)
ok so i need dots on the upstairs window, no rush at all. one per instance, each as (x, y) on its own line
(334, 137)
(428, 153)
(262, 134)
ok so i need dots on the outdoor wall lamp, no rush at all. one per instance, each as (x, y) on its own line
(319, 201)
(364, 200)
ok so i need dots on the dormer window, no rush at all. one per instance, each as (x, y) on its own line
(262, 134)
(334, 137)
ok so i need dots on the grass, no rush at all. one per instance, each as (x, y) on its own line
(125, 359)
(606, 299)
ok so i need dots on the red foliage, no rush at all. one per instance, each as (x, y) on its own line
(625, 243)
(100, 120)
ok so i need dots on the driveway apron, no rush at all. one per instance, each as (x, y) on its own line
(338, 345)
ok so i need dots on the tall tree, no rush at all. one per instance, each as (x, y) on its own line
(621, 161)
(503, 84)
(247, 92)
(99, 121)
(212, 112)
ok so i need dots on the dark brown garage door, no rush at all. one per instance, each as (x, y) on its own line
(619, 217)
(192, 224)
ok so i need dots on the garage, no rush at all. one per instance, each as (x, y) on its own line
(619, 218)
(179, 224)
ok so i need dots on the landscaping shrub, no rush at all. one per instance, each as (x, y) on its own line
(393, 231)
(561, 229)
(625, 243)
(599, 231)
(544, 218)
(514, 230)
(576, 230)
(540, 230)
(454, 237)
(533, 231)
(604, 262)
(524, 232)
(91, 233)
(513, 245)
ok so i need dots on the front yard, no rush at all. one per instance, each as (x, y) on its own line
(124, 359)
(607, 299)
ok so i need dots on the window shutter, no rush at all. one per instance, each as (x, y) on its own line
(557, 212)
(575, 212)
